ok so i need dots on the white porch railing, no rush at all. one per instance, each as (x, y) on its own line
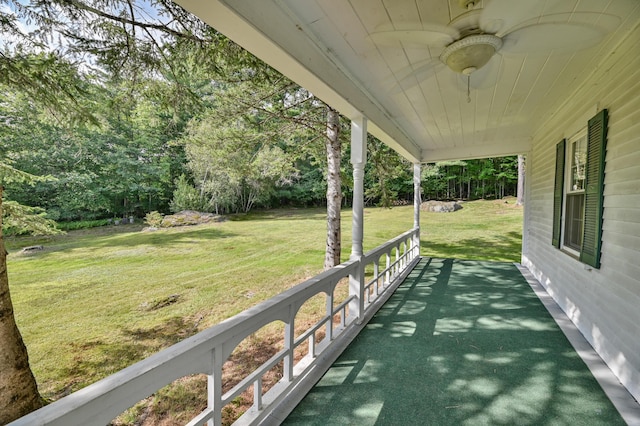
(370, 283)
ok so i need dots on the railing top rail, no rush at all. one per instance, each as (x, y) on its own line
(382, 248)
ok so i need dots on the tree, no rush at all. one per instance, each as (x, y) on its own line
(186, 197)
(520, 196)
(387, 176)
(123, 166)
(18, 389)
(233, 163)
(489, 177)
(334, 190)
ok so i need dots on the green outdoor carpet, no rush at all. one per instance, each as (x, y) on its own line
(459, 343)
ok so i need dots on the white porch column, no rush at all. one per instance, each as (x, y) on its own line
(358, 160)
(417, 201)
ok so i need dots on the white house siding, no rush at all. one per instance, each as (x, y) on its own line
(604, 303)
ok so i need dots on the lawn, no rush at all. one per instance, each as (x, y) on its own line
(93, 302)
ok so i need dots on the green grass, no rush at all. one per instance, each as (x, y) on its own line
(482, 230)
(94, 301)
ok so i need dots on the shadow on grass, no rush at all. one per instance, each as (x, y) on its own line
(163, 238)
(292, 213)
(505, 247)
(124, 239)
(459, 343)
(99, 358)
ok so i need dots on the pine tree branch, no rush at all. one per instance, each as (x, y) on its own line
(134, 23)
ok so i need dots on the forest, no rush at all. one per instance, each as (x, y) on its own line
(139, 153)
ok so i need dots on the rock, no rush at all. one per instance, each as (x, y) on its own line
(189, 217)
(32, 248)
(440, 206)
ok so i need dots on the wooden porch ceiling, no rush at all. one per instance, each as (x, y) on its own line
(413, 102)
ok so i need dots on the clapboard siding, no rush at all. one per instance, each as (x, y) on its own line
(629, 229)
(604, 303)
(625, 241)
(630, 127)
(621, 201)
(623, 214)
(622, 188)
(624, 169)
(627, 277)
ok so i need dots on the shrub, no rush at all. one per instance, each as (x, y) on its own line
(82, 224)
(153, 219)
(186, 197)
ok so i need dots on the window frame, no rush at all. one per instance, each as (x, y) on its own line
(569, 191)
(591, 246)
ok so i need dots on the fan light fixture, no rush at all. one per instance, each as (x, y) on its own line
(469, 41)
(470, 53)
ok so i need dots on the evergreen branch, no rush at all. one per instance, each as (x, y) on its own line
(130, 21)
(9, 174)
(21, 219)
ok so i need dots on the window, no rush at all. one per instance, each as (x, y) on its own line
(574, 199)
(578, 191)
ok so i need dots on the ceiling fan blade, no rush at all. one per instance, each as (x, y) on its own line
(428, 35)
(417, 73)
(563, 32)
(500, 16)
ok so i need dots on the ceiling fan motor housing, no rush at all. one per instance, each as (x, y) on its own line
(470, 53)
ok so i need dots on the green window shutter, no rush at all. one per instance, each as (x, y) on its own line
(558, 193)
(594, 192)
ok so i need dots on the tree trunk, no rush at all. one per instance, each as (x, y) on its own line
(334, 193)
(18, 390)
(520, 200)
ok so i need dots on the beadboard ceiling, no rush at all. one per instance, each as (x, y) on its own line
(363, 57)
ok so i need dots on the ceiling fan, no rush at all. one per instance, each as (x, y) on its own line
(470, 41)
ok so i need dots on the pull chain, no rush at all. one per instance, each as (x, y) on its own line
(469, 88)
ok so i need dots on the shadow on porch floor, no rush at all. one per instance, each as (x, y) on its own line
(459, 343)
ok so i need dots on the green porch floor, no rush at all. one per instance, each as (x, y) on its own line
(459, 343)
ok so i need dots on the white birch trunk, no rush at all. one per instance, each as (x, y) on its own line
(520, 194)
(334, 192)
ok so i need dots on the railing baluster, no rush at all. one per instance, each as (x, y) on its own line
(289, 337)
(376, 275)
(312, 345)
(214, 388)
(404, 254)
(329, 310)
(357, 290)
(257, 394)
(211, 404)
(395, 266)
(387, 275)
